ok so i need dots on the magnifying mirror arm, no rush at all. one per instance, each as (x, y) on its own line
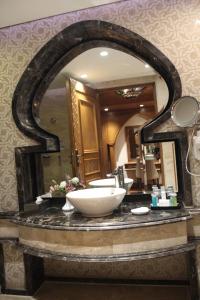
(198, 118)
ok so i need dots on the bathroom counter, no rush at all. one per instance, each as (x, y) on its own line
(47, 231)
(54, 218)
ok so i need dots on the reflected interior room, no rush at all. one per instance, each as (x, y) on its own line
(99, 150)
(115, 99)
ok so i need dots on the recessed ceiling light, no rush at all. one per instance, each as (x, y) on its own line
(197, 22)
(106, 108)
(139, 88)
(83, 76)
(104, 53)
(141, 105)
(147, 66)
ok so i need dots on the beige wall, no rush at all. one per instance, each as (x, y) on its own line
(168, 24)
(54, 117)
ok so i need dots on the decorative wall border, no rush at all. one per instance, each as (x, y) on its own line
(60, 50)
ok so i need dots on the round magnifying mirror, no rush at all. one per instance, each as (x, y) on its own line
(185, 111)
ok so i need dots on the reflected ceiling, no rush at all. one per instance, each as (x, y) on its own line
(93, 68)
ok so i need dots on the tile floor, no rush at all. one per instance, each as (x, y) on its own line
(64, 291)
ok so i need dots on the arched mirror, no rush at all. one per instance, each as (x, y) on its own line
(97, 105)
(92, 98)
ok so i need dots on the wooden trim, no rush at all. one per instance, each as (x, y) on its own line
(92, 158)
(91, 173)
(127, 128)
(91, 151)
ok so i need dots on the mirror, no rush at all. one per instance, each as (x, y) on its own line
(185, 111)
(97, 105)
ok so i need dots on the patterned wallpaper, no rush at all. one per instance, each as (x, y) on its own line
(169, 24)
(14, 266)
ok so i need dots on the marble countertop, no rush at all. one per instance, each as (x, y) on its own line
(52, 217)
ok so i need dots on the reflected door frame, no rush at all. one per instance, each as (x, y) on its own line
(86, 150)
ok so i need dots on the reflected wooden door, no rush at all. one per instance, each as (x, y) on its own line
(86, 131)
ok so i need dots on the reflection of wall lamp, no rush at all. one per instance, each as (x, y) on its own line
(128, 93)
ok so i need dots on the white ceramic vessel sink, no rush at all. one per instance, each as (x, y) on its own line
(110, 182)
(96, 202)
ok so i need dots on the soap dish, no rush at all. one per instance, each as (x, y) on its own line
(143, 210)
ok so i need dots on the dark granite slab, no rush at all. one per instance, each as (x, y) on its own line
(7, 214)
(52, 217)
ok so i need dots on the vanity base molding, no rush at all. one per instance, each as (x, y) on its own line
(109, 258)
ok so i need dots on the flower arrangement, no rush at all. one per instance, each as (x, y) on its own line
(68, 185)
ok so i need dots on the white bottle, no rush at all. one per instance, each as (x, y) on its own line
(163, 193)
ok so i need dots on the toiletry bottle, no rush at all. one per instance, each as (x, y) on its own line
(164, 201)
(169, 190)
(163, 193)
(154, 199)
(173, 199)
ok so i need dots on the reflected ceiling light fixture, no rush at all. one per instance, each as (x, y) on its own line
(83, 76)
(139, 88)
(106, 109)
(141, 105)
(129, 93)
(147, 66)
(104, 53)
(197, 22)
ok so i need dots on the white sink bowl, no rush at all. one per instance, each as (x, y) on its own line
(97, 202)
(110, 182)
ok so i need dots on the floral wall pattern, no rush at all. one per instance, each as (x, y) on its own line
(14, 267)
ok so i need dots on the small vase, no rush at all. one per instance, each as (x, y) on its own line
(68, 206)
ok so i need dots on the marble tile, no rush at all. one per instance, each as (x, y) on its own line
(105, 242)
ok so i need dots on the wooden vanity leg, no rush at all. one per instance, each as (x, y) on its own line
(193, 276)
(34, 273)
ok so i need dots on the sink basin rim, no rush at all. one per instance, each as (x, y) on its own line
(91, 203)
(91, 191)
(108, 182)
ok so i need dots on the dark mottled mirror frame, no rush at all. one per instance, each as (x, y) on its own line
(59, 51)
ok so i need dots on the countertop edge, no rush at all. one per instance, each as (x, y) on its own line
(109, 258)
(105, 227)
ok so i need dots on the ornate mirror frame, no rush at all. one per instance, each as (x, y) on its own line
(53, 56)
